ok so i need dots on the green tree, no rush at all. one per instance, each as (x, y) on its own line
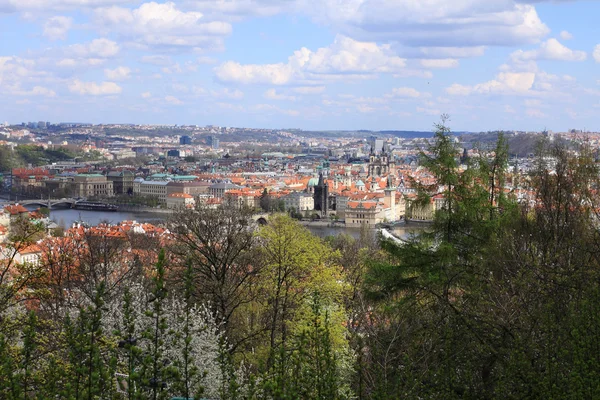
(435, 280)
(296, 264)
(155, 372)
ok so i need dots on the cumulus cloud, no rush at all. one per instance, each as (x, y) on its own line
(224, 93)
(597, 53)
(118, 74)
(93, 88)
(146, 95)
(276, 74)
(157, 60)
(35, 91)
(173, 100)
(98, 48)
(163, 25)
(452, 52)
(271, 109)
(465, 23)
(551, 49)
(272, 94)
(564, 35)
(238, 9)
(309, 89)
(440, 63)
(345, 56)
(535, 113)
(56, 28)
(61, 5)
(505, 83)
(405, 92)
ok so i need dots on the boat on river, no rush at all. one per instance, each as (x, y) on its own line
(94, 206)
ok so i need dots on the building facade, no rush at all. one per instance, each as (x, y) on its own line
(154, 189)
(180, 200)
(122, 181)
(92, 185)
(299, 201)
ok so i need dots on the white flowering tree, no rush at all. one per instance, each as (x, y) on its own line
(190, 342)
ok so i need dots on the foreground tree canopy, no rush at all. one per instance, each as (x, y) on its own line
(499, 298)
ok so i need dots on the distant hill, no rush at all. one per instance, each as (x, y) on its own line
(364, 134)
(518, 145)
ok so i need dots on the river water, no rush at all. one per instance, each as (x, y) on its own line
(66, 218)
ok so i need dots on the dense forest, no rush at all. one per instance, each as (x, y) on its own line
(500, 299)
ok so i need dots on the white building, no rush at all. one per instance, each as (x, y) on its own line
(299, 201)
(156, 189)
(180, 200)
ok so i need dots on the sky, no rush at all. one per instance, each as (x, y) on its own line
(308, 64)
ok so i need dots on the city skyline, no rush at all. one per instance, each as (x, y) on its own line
(363, 64)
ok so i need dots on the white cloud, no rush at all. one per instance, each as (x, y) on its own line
(56, 28)
(344, 59)
(309, 89)
(440, 63)
(163, 25)
(118, 74)
(432, 22)
(35, 91)
(237, 9)
(173, 100)
(79, 62)
(551, 49)
(597, 53)
(429, 111)
(452, 52)
(533, 103)
(207, 60)
(271, 109)
(505, 83)
(535, 113)
(406, 92)
(564, 35)
(45, 5)
(272, 94)
(414, 23)
(276, 74)
(413, 73)
(100, 48)
(457, 89)
(91, 54)
(12, 68)
(225, 93)
(177, 68)
(157, 60)
(94, 89)
(146, 95)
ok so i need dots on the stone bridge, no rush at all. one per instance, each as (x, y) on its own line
(49, 203)
(261, 219)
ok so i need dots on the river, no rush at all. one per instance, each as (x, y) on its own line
(66, 218)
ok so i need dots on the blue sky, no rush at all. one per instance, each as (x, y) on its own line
(311, 64)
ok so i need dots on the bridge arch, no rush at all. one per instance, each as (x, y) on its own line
(34, 203)
(261, 219)
(45, 203)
